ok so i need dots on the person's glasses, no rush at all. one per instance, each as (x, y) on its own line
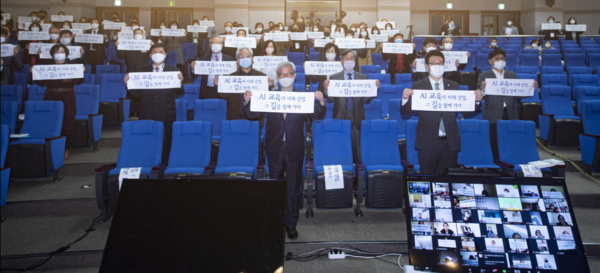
(430, 64)
(286, 75)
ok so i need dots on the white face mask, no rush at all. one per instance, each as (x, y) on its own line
(448, 46)
(330, 56)
(349, 65)
(139, 37)
(333, 28)
(551, 21)
(158, 58)
(572, 21)
(65, 41)
(60, 57)
(95, 26)
(196, 25)
(341, 30)
(66, 27)
(216, 48)
(163, 27)
(35, 29)
(363, 33)
(259, 29)
(173, 27)
(534, 45)
(509, 23)
(499, 65)
(494, 44)
(436, 71)
(429, 49)
(34, 18)
(2, 40)
(375, 32)
(269, 50)
(388, 28)
(353, 29)
(286, 82)
(53, 36)
(548, 45)
(315, 29)
(227, 29)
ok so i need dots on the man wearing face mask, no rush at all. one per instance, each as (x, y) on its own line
(43, 16)
(351, 108)
(450, 28)
(510, 29)
(429, 44)
(10, 38)
(498, 107)
(399, 63)
(135, 61)
(66, 39)
(10, 64)
(228, 28)
(550, 34)
(284, 143)
(208, 89)
(438, 138)
(446, 45)
(493, 43)
(159, 104)
(96, 53)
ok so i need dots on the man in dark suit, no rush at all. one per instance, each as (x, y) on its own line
(399, 63)
(438, 139)
(159, 104)
(208, 89)
(95, 53)
(446, 44)
(350, 108)
(498, 107)
(284, 143)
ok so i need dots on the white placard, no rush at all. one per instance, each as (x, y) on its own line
(530, 171)
(389, 33)
(113, 25)
(277, 37)
(57, 72)
(238, 42)
(350, 43)
(46, 27)
(283, 102)
(23, 25)
(354, 88)
(6, 16)
(90, 39)
(299, 36)
(215, 68)
(467, 244)
(517, 244)
(469, 203)
(235, 29)
(381, 25)
(494, 248)
(396, 48)
(581, 28)
(465, 192)
(173, 32)
(420, 65)
(74, 52)
(552, 194)
(74, 31)
(207, 23)
(450, 65)
(61, 18)
(23, 19)
(254, 36)
(268, 61)
(315, 35)
(442, 204)
(565, 245)
(446, 100)
(421, 228)
(491, 220)
(228, 36)
(565, 237)
(129, 173)
(379, 38)
(33, 36)
(509, 87)
(7, 50)
(447, 243)
(154, 80)
(322, 68)
(334, 177)
(84, 26)
(45, 48)
(321, 42)
(155, 32)
(197, 29)
(371, 44)
(125, 35)
(514, 219)
(135, 45)
(460, 55)
(548, 26)
(239, 84)
(338, 35)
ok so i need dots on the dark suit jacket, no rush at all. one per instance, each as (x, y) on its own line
(292, 125)
(204, 78)
(99, 54)
(135, 60)
(408, 59)
(234, 101)
(339, 103)
(158, 104)
(428, 125)
(494, 105)
(454, 75)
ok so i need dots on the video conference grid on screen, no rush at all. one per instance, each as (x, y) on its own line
(484, 225)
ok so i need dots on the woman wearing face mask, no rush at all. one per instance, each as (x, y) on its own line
(62, 90)
(280, 49)
(534, 44)
(399, 63)
(10, 38)
(330, 53)
(135, 60)
(389, 26)
(159, 39)
(67, 25)
(83, 20)
(450, 28)
(550, 34)
(259, 28)
(174, 44)
(269, 50)
(194, 37)
(510, 29)
(297, 46)
(573, 35)
(66, 39)
(10, 64)
(27, 58)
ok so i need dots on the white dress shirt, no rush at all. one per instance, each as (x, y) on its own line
(211, 77)
(160, 67)
(441, 86)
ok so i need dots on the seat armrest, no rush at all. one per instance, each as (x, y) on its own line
(409, 168)
(310, 184)
(559, 170)
(260, 170)
(460, 165)
(55, 152)
(106, 168)
(101, 185)
(95, 127)
(360, 167)
(158, 171)
(124, 105)
(590, 135)
(506, 167)
(210, 168)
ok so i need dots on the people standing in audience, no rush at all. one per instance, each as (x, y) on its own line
(429, 44)
(10, 64)
(350, 108)
(96, 53)
(573, 35)
(11, 38)
(550, 34)
(450, 28)
(208, 89)
(66, 39)
(284, 143)
(498, 107)
(365, 59)
(159, 39)
(438, 139)
(269, 50)
(331, 54)
(67, 25)
(43, 16)
(159, 104)
(54, 36)
(297, 46)
(398, 63)
(30, 59)
(446, 44)
(83, 20)
(281, 46)
(510, 29)
(62, 90)
(173, 44)
(228, 28)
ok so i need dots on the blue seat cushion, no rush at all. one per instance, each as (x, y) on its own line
(567, 117)
(146, 170)
(369, 168)
(216, 138)
(236, 169)
(28, 141)
(184, 170)
(401, 136)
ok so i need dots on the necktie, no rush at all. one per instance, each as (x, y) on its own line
(349, 101)
(442, 128)
(217, 58)
(399, 62)
(92, 45)
(157, 69)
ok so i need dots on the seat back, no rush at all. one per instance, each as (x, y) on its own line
(87, 97)
(12, 93)
(313, 56)
(43, 119)
(171, 58)
(300, 79)
(411, 153)
(238, 137)
(36, 92)
(141, 144)
(475, 139)
(299, 69)
(556, 100)
(526, 69)
(384, 79)
(552, 70)
(590, 113)
(373, 109)
(386, 93)
(332, 142)
(379, 142)
(529, 60)
(554, 79)
(213, 111)
(89, 78)
(516, 141)
(403, 78)
(551, 60)
(574, 59)
(584, 80)
(4, 133)
(105, 69)
(112, 87)
(297, 58)
(394, 109)
(366, 69)
(191, 93)
(482, 61)
(586, 93)
(9, 112)
(377, 59)
(191, 144)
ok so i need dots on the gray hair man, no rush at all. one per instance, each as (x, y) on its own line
(208, 89)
